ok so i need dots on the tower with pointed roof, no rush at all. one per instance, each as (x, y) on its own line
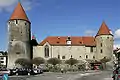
(19, 30)
(104, 42)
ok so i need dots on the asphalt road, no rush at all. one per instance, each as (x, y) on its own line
(105, 75)
(91, 75)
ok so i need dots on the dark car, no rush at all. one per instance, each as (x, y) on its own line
(22, 71)
(38, 71)
(12, 72)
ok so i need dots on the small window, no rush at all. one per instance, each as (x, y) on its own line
(91, 49)
(107, 37)
(58, 42)
(71, 56)
(93, 57)
(58, 56)
(68, 38)
(2, 61)
(25, 23)
(63, 57)
(86, 56)
(80, 56)
(17, 52)
(9, 22)
(16, 21)
(101, 51)
(101, 44)
(2, 58)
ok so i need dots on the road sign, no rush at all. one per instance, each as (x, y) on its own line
(5, 77)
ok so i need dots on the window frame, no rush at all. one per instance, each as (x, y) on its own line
(46, 51)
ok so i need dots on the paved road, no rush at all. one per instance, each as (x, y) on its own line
(106, 75)
(69, 76)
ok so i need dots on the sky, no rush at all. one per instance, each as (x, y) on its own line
(63, 17)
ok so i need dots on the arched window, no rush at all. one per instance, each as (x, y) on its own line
(46, 51)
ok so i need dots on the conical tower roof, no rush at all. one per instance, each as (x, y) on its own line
(104, 30)
(19, 13)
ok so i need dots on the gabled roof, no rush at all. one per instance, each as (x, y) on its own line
(19, 13)
(75, 41)
(104, 30)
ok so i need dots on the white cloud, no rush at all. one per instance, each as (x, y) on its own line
(5, 3)
(90, 32)
(117, 34)
(9, 5)
(116, 46)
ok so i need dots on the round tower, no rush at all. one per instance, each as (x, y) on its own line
(19, 33)
(104, 43)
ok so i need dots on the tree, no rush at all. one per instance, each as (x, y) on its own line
(23, 62)
(54, 61)
(38, 61)
(71, 61)
(104, 61)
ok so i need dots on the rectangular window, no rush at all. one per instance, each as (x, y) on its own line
(2, 58)
(2, 61)
(86, 56)
(91, 49)
(63, 57)
(16, 21)
(101, 44)
(101, 51)
(58, 56)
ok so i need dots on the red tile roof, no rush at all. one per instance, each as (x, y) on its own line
(60, 40)
(104, 30)
(19, 13)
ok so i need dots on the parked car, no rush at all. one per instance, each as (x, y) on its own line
(12, 72)
(22, 71)
(38, 70)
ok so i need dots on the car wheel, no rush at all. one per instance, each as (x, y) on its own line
(16, 73)
(28, 73)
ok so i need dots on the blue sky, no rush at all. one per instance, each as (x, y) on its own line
(63, 17)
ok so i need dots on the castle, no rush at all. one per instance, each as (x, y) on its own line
(62, 47)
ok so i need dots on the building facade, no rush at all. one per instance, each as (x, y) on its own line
(80, 48)
(19, 33)
(3, 59)
(62, 47)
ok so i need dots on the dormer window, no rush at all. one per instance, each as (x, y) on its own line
(58, 37)
(68, 40)
(58, 42)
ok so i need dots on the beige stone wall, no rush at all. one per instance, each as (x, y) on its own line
(77, 52)
(19, 41)
(107, 46)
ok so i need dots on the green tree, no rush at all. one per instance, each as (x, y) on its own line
(23, 62)
(54, 61)
(71, 61)
(38, 61)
